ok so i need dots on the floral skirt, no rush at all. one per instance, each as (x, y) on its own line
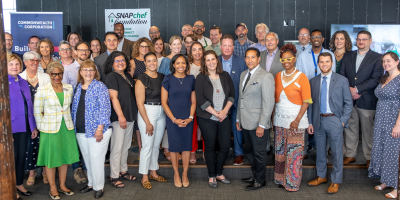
(289, 146)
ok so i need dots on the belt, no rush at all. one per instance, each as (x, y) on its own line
(327, 115)
(152, 103)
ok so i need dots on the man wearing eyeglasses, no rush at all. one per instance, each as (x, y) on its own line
(304, 41)
(9, 45)
(154, 32)
(363, 69)
(71, 72)
(198, 30)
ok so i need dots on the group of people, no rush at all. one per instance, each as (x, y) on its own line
(198, 91)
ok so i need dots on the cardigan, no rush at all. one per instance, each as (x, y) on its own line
(204, 93)
(298, 91)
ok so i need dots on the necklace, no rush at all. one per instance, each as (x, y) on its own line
(32, 80)
(180, 80)
(45, 62)
(214, 83)
(284, 73)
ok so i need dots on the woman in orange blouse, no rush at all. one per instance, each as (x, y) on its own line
(292, 97)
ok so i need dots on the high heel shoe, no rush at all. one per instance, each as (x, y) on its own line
(178, 185)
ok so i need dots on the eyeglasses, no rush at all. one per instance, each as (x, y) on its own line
(9, 40)
(56, 74)
(144, 47)
(66, 49)
(199, 26)
(316, 37)
(286, 59)
(119, 61)
(189, 42)
(88, 70)
(154, 32)
(34, 61)
(364, 39)
(83, 50)
(303, 35)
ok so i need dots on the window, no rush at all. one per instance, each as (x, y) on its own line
(8, 6)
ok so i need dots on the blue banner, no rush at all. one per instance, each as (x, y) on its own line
(42, 24)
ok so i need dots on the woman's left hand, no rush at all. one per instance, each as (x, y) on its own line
(98, 135)
(34, 133)
(222, 115)
(294, 125)
(396, 131)
(188, 120)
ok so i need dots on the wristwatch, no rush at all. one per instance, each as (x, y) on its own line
(191, 117)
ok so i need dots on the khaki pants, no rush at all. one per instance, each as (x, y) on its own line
(366, 119)
(120, 143)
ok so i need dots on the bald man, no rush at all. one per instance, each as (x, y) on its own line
(304, 41)
(198, 30)
(154, 32)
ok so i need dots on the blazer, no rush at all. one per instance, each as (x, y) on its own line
(43, 78)
(340, 99)
(205, 90)
(276, 65)
(100, 62)
(238, 66)
(365, 79)
(48, 111)
(17, 88)
(257, 101)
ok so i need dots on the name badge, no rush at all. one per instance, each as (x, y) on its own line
(297, 84)
(233, 71)
(65, 89)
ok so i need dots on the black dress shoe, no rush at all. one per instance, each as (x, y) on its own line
(248, 180)
(27, 193)
(86, 189)
(98, 194)
(255, 186)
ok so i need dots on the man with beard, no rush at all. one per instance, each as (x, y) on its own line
(215, 35)
(327, 116)
(154, 32)
(307, 61)
(82, 52)
(242, 43)
(261, 31)
(198, 30)
(363, 68)
(304, 41)
(124, 45)
(32, 43)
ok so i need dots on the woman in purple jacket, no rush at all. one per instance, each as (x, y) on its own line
(23, 123)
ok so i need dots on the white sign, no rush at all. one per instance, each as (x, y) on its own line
(136, 22)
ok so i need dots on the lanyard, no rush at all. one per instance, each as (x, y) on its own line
(205, 41)
(315, 63)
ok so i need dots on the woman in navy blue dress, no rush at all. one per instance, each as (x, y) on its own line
(179, 102)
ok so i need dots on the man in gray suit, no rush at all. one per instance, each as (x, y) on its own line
(255, 106)
(270, 57)
(111, 42)
(327, 116)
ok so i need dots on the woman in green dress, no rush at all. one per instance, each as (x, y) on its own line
(340, 44)
(57, 146)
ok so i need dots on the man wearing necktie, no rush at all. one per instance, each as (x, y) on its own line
(255, 106)
(328, 116)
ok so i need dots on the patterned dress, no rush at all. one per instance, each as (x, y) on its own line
(33, 144)
(385, 149)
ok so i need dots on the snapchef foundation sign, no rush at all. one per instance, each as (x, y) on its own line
(136, 21)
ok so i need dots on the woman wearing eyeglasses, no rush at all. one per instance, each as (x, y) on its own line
(140, 49)
(58, 147)
(123, 114)
(35, 79)
(292, 97)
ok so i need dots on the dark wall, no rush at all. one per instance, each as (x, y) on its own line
(87, 16)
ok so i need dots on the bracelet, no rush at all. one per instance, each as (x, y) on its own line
(100, 129)
(296, 122)
(173, 121)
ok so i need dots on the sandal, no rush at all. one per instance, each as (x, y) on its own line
(45, 180)
(146, 185)
(159, 178)
(31, 180)
(114, 183)
(167, 155)
(379, 188)
(193, 160)
(127, 176)
(390, 196)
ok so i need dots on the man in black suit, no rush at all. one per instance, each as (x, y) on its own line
(363, 69)
(111, 42)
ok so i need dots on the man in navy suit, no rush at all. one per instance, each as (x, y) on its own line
(234, 65)
(327, 116)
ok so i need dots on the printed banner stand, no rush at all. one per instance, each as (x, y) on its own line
(136, 22)
(42, 24)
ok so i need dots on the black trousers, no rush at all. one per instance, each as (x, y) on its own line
(212, 132)
(255, 150)
(20, 149)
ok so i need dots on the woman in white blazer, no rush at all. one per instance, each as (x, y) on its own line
(58, 146)
(35, 79)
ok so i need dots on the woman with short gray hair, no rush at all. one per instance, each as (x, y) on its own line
(35, 79)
